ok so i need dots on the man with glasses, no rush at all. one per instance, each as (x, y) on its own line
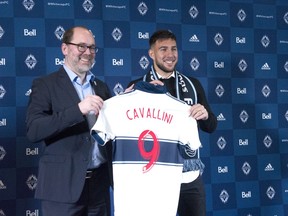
(73, 177)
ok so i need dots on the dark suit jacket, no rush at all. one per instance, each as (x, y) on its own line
(53, 116)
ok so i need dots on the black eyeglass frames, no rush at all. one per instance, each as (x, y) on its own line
(83, 47)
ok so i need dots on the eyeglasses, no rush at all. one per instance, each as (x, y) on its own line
(83, 47)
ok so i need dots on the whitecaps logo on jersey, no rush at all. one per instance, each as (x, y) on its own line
(285, 17)
(1, 32)
(267, 141)
(142, 8)
(118, 89)
(265, 41)
(221, 142)
(59, 32)
(88, 6)
(30, 61)
(286, 66)
(218, 39)
(117, 34)
(144, 62)
(195, 64)
(242, 65)
(28, 4)
(2, 92)
(270, 192)
(266, 91)
(31, 182)
(2, 152)
(219, 90)
(193, 12)
(241, 15)
(246, 168)
(224, 196)
(244, 116)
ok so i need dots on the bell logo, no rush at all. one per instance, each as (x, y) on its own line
(143, 36)
(223, 169)
(243, 142)
(116, 62)
(34, 151)
(59, 61)
(31, 33)
(246, 195)
(241, 91)
(32, 213)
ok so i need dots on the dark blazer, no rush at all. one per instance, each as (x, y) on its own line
(53, 117)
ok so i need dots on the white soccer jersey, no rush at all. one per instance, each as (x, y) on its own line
(149, 130)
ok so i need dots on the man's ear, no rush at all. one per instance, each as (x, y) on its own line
(151, 53)
(64, 48)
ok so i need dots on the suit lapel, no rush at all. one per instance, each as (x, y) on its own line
(67, 86)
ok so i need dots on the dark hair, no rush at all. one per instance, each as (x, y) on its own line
(161, 35)
(68, 34)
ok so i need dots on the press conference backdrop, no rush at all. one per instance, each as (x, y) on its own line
(238, 49)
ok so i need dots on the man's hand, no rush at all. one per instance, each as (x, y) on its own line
(91, 103)
(198, 112)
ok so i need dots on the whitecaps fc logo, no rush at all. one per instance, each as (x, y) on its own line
(142, 8)
(30, 61)
(59, 32)
(144, 62)
(28, 4)
(117, 34)
(88, 6)
(193, 12)
(218, 39)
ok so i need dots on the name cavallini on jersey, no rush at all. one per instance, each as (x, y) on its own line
(152, 113)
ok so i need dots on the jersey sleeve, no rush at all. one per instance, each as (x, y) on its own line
(101, 131)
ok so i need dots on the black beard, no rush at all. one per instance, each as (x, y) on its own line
(164, 69)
